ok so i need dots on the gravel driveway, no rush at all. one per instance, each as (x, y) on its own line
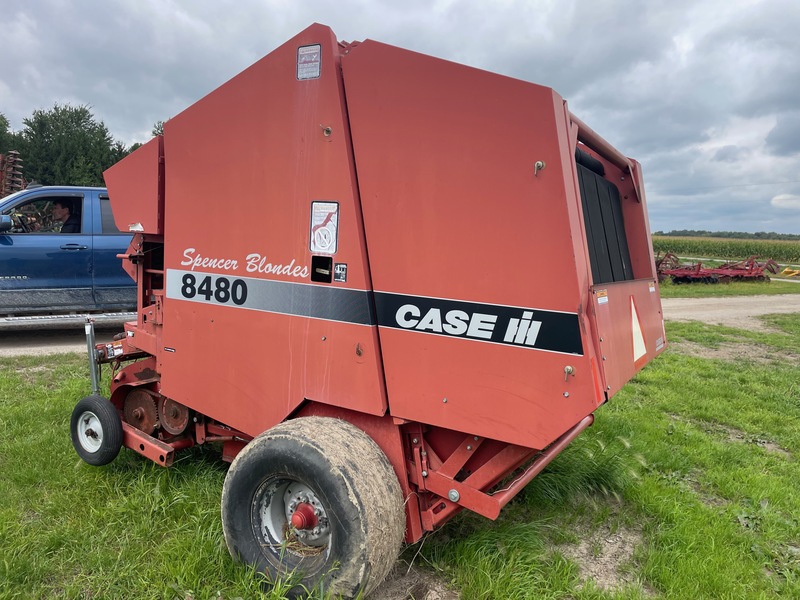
(737, 311)
(55, 341)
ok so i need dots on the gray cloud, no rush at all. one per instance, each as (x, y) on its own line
(784, 139)
(704, 93)
(729, 153)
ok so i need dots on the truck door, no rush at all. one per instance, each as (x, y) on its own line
(113, 287)
(42, 269)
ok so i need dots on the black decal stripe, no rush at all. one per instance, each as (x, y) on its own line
(560, 331)
(288, 298)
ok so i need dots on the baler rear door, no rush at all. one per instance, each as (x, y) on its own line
(630, 328)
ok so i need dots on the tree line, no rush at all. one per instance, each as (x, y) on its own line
(731, 235)
(64, 145)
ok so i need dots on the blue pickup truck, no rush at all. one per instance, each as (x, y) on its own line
(58, 253)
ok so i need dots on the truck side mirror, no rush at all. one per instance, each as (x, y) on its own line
(5, 223)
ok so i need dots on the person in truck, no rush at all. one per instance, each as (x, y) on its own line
(62, 211)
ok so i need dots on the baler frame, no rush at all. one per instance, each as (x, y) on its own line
(442, 484)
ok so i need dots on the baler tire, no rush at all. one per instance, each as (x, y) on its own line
(344, 474)
(96, 430)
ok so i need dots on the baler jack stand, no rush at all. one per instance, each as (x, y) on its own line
(94, 366)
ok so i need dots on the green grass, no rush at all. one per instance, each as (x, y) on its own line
(128, 530)
(735, 288)
(694, 465)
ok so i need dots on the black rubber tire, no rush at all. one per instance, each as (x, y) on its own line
(353, 481)
(96, 430)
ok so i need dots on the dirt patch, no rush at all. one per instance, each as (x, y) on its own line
(784, 562)
(34, 369)
(706, 498)
(30, 516)
(413, 583)
(736, 435)
(35, 372)
(737, 311)
(693, 483)
(737, 352)
(732, 434)
(605, 556)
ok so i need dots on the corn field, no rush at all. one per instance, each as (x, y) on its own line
(780, 251)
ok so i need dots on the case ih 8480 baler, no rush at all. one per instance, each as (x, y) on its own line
(391, 286)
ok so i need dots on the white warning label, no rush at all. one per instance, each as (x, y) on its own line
(309, 61)
(324, 227)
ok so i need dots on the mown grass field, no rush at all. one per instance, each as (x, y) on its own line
(779, 251)
(734, 288)
(685, 487)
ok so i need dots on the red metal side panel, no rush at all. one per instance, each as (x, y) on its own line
(136, 184)
(630, 327)
(460, 226)
(243, 166)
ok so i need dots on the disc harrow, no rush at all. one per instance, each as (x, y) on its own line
(749, 269)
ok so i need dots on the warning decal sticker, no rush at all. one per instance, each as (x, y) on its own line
(308, 62)
(324, 227)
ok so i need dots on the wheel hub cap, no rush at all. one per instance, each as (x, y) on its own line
(304, 517)
(303, 507)
(90, 432)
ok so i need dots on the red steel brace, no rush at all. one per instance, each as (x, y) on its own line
(468, 494)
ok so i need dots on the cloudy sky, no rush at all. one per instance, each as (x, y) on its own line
(704, 93)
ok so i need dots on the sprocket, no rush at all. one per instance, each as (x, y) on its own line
(141, 411)
(174, 416)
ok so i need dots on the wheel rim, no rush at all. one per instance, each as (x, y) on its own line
(90, 431)
(276, 503)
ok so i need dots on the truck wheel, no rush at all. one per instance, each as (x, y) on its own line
(314, 501)
(96, 430)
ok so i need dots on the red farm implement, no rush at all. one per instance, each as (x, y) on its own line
(359, 317)
(749, 269)
(11, 179)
